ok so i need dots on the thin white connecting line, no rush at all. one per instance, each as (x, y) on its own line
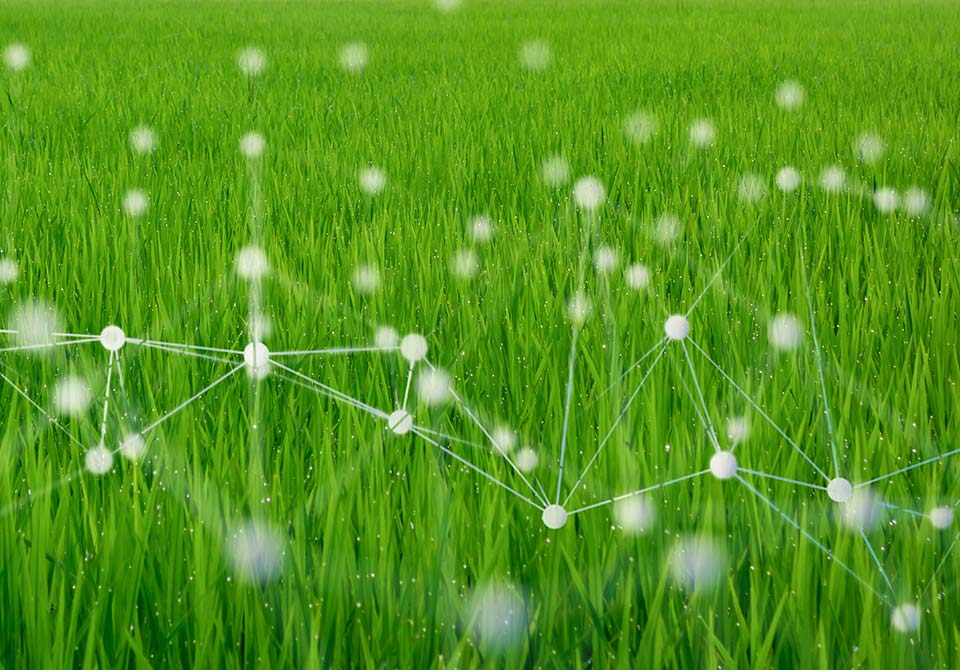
(188, 401)
(47, 345)
(760, 410)
(175, 345)
(812, 539)
(406, 392)
(616, 423)
(489, 436)
(898, 508)
(819, 355)
(566, 408)
(932, 459)
(473, 467)
(633, 367)
(51, 419)
(767, 475)
(106, 397)
(449, 438)
(936, 571)
(876, 559)
(723, 265)
(184, 352)
(708, 423)
(333, 393)
(639, 492)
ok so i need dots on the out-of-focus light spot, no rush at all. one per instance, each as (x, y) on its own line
(372, 180)
(606, 259)
(143, 139)
(497, 612)
(135, 203)
(751, 188)
(464, 264)
(916, 202)
(886, 200)
(635, 515)
(589, 193)
(789, 95)
(702, 133)
(366, 278)
(527, 459)
(785, 332)
(251, 263)
(71, 396)
(535, 55)
(579, 307)
(555, 171)
(9, 271)
(697, 562)
(788, 179)
(251, 61)
(354, 57)
(869, 148)
(252, 145)
(637, 276)
(833, 179)
(256, 551)
(433, 386)
(640, 127)
(16, 56)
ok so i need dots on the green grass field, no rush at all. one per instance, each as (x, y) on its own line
(269, 525)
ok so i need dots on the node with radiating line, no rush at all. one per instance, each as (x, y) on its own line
(554, 517)
(839, 490)
(256, 358)
(723, 465)
(676, 327)
(112, 338)
(400, 422)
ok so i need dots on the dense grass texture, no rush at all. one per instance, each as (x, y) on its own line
(376, 550)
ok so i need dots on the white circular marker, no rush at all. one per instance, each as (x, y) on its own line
(677, 327)
(400, 422)
(589, 193)
(133, 447)
(413, 347)
(554, 517)
(527, 459)
(723, 465)
(941, 517)
(905, 618)
(112, 338)
(98, 460)
(256, 357)
(839, 490)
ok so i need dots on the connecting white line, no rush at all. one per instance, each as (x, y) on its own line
(406, 392)
(812, 539)
(639, 492)
(334, 393)
(189, 400)
(819, 355)
(52, 420)
(616, 423)
(940, 565)
(175, 345)
(566, 408)
(449, 438)
(932, 459)
(898, 508)
(106, 397)
(722, 267)
(633, 367)
(475, 468)
(782, 479)
(185, 352)
(342, 350)
(760, 410)
(876, 559)
(47, 345)
(703, 404)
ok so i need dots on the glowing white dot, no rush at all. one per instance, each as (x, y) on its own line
(606, 260)
(666, 229)
(676, 327)
(905, 618)
(8, 271)
(256, 358)
(480, 229)
(98, 460)
(839, 490)
(640, 127)
(588, 193)
(526, 460)
(135, 203)
(372, 180)
(635, 515)
(916, 202)
(723, 465)
(738, 429)
(886, 200)
(788, 179)
(251, 263)
(143, 139)
(555, 171)
(535, 55)
(751, 188)
(941, 517)
(386, 338)
(16, 56)
(702, 133)
(354, 56)
(498, 616)
(697, 562)
(505, 438)
(833, 179)
(554, 517)
(413, 347)
(251, 61)
(256, 551)
(579, 307)
(869, 148)
(252, 145)
(433, 386)
(785, 332)
(464, 264)
(400, 422)
(35, 325)
(637, 276)
(112, 338)
(133, 447)
(789, 95)
(447, 6)
(71, 396)
(366, 278)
